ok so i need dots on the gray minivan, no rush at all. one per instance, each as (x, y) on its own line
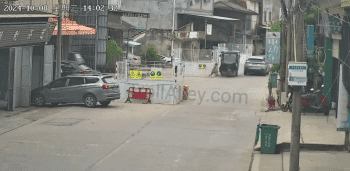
(79, 88)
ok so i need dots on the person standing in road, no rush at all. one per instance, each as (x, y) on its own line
(214, 71)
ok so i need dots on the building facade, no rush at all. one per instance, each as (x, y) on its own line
(26, 59)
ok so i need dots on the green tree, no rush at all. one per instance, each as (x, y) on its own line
(113, 49)
(276, 27)
(275, 68)
(151, 54)
(311, 15)
(312, 74)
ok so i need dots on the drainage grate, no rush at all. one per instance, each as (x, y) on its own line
(63, 122)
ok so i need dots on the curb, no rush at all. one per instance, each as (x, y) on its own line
(17, 111)
(308, 147)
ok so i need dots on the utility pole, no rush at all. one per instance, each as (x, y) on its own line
(59, 42)
(286, 12)
(172, 40)
(283, 60)
(205, 44)
(96, 40)
(296, 117)
(289, 46)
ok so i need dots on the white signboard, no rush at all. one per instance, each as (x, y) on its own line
(193, 35)
(209, 29)
(273, 46)
(297, 75)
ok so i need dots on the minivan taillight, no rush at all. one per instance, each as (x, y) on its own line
(135, 59)
(105, 86)
(83, 72)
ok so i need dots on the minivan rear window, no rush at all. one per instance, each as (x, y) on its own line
(108, 79)
(91, 80)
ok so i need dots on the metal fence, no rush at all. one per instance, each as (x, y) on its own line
(196, 55)
(124, 68)
(245, 49)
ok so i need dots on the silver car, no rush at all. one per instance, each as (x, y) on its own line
(256, 64)
(79, 88)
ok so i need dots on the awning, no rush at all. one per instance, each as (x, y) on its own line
(234, 7)
(211, 16)
(70, 27)
(132, 43)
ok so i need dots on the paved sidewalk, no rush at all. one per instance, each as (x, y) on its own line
(309, 161)
(11, 120)
(321, 145)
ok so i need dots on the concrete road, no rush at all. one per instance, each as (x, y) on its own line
(200, 134)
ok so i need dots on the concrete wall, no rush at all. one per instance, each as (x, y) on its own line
(48, 64)
(26, 76)
(192, 69)
(163, 92)
(160, 12)
(4, 63)
(11, 89)
(160, 38)
(20, 77)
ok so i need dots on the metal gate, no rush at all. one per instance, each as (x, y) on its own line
(91, 13)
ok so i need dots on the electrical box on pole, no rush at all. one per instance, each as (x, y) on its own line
(297, 73)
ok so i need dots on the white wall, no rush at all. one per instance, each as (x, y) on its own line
(192, 69)
(163, 92)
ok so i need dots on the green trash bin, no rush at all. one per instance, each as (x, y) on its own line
(268, 138)
(273, 77)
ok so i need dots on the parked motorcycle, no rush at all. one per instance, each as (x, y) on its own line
(315, 102)
(286, 107)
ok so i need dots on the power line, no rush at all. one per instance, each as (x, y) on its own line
(330, 13)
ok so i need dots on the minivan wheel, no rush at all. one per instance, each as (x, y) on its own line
(106, 103)
(39, 100)
(90, 101)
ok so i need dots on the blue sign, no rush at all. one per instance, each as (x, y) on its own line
(297, 67)
(310, 37)
(273, 47)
